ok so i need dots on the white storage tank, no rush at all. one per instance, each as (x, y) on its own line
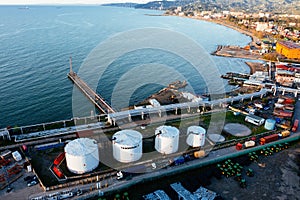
(270, 124)
(196, 136)
(82, 155)
(127, 146)
(167, 139)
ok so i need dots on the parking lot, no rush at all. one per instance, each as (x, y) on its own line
(20, 190)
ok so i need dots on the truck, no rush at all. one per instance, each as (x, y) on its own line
(199, 154)
(177, 161)
(17, 156)
(249, 144)
(295, 126)
(269, 138)
(284, 134)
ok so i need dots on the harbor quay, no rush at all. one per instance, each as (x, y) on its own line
(265, 118)
(106, 184)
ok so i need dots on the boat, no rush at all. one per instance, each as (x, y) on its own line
(177, 84)
(24, 8)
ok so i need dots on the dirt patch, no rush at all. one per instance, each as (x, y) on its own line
(255, 66)
(276, 177)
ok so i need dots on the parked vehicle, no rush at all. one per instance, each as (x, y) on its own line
(269, 138)
(199, 154)
(284, 134)
(31, 183)
(9, 189)
(295, 126)
(30, 178)
(249, 144)
(66, 194)
(177, 161)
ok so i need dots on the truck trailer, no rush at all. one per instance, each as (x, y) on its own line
(269, 138)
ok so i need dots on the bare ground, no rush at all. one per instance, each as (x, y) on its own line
(279, 179)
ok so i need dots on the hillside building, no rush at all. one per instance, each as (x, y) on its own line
(289, 49)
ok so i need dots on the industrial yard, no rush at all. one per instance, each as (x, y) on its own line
(136, 117)
(43, 156)
(90, 156)
(277, 172)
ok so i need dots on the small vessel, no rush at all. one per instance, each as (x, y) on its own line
(24, 8)
(178, 84)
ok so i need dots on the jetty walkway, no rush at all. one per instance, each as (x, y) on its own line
(95, 98)
(128, 114)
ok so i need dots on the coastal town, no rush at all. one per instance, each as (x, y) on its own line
(231, 143)
(275, 36)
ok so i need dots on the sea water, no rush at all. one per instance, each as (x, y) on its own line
(36, 44)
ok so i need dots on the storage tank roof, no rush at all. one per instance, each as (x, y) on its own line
(81, 146)
(167, 131)
(270, 121)
(127, 137)
(196, 130)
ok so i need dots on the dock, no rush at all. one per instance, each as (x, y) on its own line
(157, 195)
(182, 192)
(95, 98)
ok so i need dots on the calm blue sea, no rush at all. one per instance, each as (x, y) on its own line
(36, 44)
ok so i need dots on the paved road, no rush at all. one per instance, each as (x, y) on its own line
(214, 157)
(297, 112)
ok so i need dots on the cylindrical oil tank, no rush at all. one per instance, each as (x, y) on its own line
(270, 124)
(82, 155)
(196, 136)
(127, 146)
(166, 139)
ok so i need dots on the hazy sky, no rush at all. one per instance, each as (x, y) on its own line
(29, 2)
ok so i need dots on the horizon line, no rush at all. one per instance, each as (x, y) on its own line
(64, 4)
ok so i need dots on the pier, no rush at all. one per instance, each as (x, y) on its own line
(128, 114)
(95, 98)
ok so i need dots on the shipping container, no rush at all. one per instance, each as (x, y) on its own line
(57, 172)
(295, 126)
(5, 154)
(268, 139)
(285, 113)
(289, 101)
(59, 158)
(289, 107)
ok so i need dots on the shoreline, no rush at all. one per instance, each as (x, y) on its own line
(252, 66)
(247, 33)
